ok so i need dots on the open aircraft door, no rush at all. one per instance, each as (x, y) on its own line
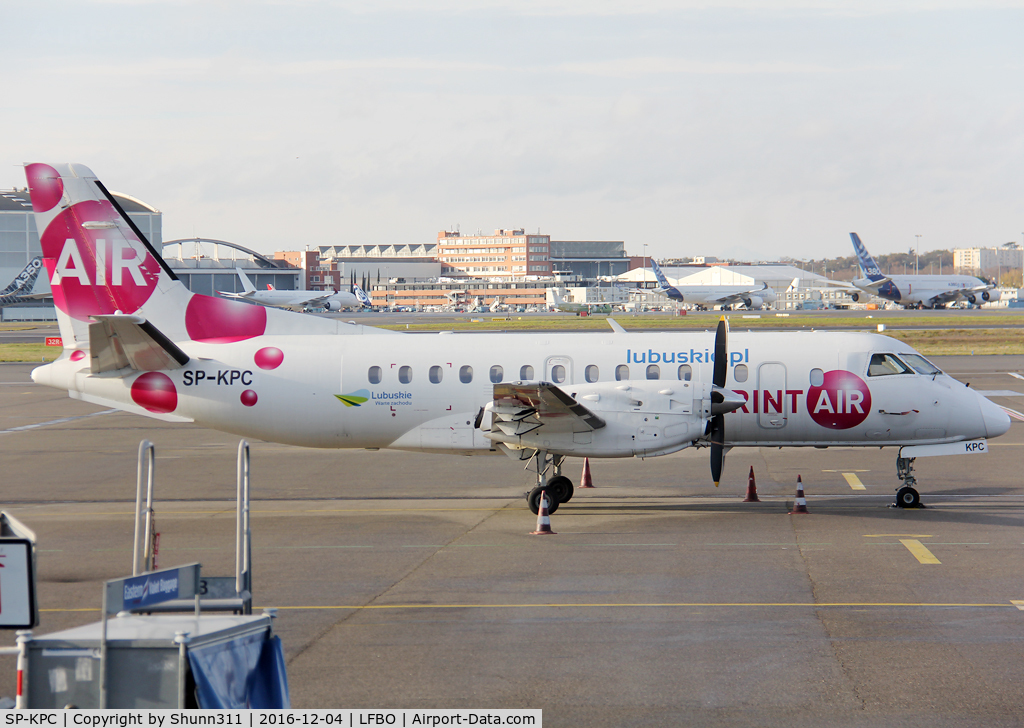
(771, 389)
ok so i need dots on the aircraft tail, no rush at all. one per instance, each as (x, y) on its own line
(247, 285)
(363, 298)
(867, 264)
(100, 264)
(662, 280)
(25, 281)
(795, 285)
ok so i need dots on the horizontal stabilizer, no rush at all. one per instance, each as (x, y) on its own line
(120, 341)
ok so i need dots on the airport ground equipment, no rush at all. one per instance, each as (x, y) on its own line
(217, 593)
(163, 661)
(18, 609)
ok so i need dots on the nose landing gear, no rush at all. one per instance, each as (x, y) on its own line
(907, 496)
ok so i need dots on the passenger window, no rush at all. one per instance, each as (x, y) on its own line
(466, 374)
(653, 371)
(558, 373)
(526, 373)
(685, 374)
(817, 377)
(436, 373)
(621, 372)
(404, 375)
(374, 375)
(885, 364)
(740, 372)
(497, 373)
(592, 373)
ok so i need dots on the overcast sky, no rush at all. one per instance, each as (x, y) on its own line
(758, 130)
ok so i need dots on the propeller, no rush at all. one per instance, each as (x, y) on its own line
(716, 432)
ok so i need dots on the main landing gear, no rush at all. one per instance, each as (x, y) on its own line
(907, 496)
(559, 488)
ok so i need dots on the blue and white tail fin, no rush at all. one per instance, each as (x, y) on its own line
(671, 291)
(867, 264)
(662, 280)
(362, 297)
(25, 281)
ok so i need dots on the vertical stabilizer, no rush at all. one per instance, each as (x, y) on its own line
(247, 285)
(867, 264)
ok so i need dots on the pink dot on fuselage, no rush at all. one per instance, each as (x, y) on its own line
(269, 357)
(77, 355)
(155, 392)
(249, 398)
(220, 321)
(44, 186)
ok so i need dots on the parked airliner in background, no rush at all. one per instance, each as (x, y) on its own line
(568, 307)
(136, 339)
(926, 291)
(711, 295)
(20, 289)
(298, 300)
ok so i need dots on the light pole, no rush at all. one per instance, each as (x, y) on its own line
(917, 255)
(645, 266)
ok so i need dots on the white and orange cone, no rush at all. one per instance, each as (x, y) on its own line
(585, 480)
(800, 504)
(751, 488)
(543, 519)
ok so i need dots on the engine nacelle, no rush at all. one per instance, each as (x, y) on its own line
(332, 306)
(754, 302)
(972, 299)
(992, 295)
(642, 418)
(855, 297)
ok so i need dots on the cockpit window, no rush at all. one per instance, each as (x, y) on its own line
(921, 365)
(885, 364)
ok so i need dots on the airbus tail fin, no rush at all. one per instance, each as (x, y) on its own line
(662, 280)
(867, 264)
(25, 281)
(363, 298)
(247, 285)
(794, 285)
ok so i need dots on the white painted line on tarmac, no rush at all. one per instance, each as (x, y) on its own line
(1014, 413)
(57, 422)
(1015, 374)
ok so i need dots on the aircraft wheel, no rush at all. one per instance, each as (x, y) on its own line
(561, 486)
(907, 497)
(533, 500)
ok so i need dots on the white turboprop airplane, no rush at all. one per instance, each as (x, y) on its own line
(926, 291)
(137, 340)
(711, 295)
(298, 300)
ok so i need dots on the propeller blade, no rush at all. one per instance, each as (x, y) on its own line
(721, 353)
(717, 438)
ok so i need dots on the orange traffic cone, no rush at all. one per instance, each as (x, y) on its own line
(543, 519)
(751, 488)
(800, 504)
(586, 481)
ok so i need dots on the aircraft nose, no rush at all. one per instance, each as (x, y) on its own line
(997, 422)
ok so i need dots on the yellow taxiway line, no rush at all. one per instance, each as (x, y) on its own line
(919, 551)
(854, 481)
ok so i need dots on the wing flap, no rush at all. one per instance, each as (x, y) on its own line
(524, 406)
(120, 341)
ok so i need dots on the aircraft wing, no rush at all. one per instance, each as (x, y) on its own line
(120, 341)
(522, 407)
(726, 298)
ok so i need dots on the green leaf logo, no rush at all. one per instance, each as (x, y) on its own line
(355, 399)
